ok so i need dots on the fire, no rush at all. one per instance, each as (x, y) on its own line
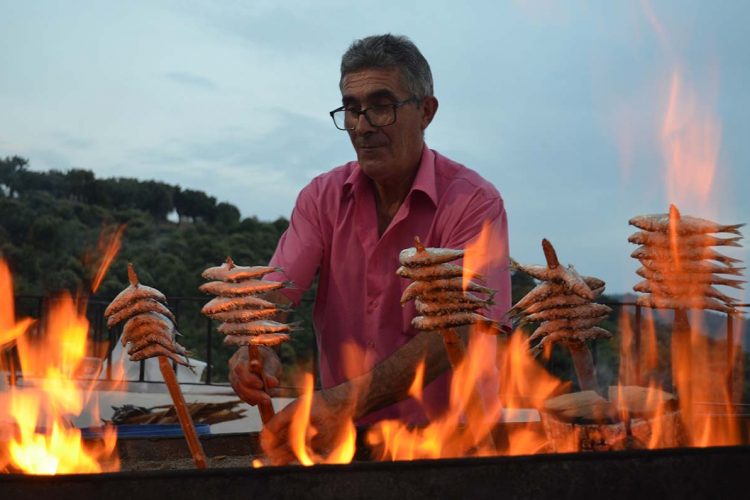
(52, 357)
(691, 136)
(302, 433)
(42, 440)
(108, 245)
(494, 378)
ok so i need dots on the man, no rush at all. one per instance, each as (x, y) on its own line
(350, 224)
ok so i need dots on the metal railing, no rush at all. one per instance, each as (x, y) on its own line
(36, 306)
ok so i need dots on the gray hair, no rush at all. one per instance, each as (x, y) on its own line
(388, 51)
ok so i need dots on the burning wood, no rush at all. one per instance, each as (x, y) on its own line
(243, 312)
(150, 332)
(679, 265)
(633, 418)
(564, 308)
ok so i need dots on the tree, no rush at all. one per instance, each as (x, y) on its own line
(194, 204)
(10, 171)
(81, 185)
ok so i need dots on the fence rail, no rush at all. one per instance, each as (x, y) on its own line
(101, 335)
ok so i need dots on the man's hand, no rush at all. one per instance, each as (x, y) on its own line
(330, 414)
(247, 385)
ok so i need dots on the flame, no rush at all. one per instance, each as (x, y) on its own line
(467, 428)
(9, 329)
(109, 247)
(691, 138)
(703, 413)
(302, 432)
(42, 439)
(415, 390)
(483, 252)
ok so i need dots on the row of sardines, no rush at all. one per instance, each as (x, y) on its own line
(679, 266)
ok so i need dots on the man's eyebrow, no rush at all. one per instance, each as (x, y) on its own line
(372, 96)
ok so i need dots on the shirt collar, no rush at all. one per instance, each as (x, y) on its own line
(424, 180)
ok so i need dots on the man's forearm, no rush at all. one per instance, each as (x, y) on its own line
(389, 381)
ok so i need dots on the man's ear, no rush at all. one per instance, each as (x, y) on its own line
(429, 108)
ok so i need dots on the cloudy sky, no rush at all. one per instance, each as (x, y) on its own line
(582, 114)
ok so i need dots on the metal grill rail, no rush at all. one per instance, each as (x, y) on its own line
(99, 332)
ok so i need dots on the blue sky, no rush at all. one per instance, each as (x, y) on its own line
(559, 104)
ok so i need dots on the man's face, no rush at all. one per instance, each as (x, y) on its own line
(390, 153)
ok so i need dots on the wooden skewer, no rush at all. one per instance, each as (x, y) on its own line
(256, 366)
(186, 422)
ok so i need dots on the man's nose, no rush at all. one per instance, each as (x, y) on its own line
(363, 126)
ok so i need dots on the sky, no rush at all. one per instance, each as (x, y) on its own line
(582, 114)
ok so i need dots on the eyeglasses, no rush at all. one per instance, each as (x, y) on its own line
(381, 115)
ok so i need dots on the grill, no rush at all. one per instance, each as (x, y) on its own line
(715, 472)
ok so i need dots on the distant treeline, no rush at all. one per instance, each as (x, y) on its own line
(52, 224)
(158, 199)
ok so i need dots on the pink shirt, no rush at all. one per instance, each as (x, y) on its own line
(357, 316)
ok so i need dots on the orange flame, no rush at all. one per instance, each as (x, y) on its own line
(484, 251)
(703, 414)
(302, 432)
(464, 431)
(42, 441)
(9, 329)
(109, 247)
(691, 136)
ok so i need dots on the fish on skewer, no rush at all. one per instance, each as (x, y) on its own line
(554, 301)
(682, 225)
(657, 288)
(695, 302)
(239, 288)
(689, 267)
(590, 310)
(245, 316)
(425, 288)
(562, 306)
(434, 272)
(233, 273)
(419, 255)
(691, 254)
(138, 307)
(452, 320)
(225, 304)
(679, 264)
(664, 240)
(683, 281)
(150, 333)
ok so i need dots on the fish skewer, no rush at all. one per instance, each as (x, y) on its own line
(445, 302)
(149, 329)
(563, 306)
(246, 317)
(679, 264)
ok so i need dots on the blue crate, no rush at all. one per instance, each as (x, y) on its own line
(145, 430)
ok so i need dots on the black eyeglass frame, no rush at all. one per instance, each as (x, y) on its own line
(360, 112)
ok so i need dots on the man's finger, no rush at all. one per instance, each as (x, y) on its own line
(252, 396)
(244, 377)
(271, 382)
